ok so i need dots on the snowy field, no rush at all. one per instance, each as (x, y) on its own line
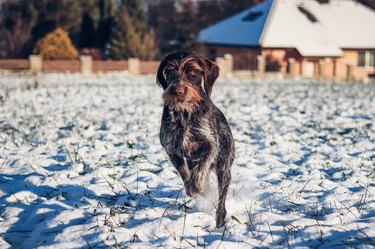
(81, 166)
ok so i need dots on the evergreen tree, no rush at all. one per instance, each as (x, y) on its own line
(125, 42)
(87, 34)
(209, 12)
(130, 34)
(137, 14)
(149, 45)
(176, 25)
(186, 29)
(90, 16)
(106, 21)
(163, 18)
(16, 21)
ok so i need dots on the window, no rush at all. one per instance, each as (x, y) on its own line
(361, 59)
(310, 16)
(323, 1)
(212, 54)
(372, 59)
(252, 16)
(366, 59)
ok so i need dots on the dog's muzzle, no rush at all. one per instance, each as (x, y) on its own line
(177, 91)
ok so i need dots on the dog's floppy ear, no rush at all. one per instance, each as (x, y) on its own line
(160, 80)
(211, 72)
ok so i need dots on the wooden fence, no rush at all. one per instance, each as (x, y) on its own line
(14, 65)
(73, 66)
(61, 66)
(147, 67)
(106, 66)
(86, 65)
(134, 66)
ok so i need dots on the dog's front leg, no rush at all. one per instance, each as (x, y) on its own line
(199, 164)
(180, 165)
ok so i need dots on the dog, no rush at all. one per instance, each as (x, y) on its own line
(194, 132)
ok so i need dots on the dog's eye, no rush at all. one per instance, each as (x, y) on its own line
(169, 67)
(168, 70)
(194, 74)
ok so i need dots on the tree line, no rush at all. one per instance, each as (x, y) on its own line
(116, 29)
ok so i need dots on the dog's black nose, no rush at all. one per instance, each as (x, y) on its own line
(179, 92)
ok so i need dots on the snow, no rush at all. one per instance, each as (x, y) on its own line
(81, 165)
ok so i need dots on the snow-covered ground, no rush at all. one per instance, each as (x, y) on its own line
(81, 166)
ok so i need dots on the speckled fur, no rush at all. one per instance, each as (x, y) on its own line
(194, 132)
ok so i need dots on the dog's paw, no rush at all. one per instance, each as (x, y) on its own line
(220, 222)
(220, 217)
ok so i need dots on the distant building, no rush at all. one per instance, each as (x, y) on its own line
(330, 38)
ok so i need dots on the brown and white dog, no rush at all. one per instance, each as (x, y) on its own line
(194, 132)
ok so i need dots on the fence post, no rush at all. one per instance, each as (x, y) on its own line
(261, 64)
(86, 64)
(221, 64)
(292, 67)
(229, 63)
(349, 72)
(321, 69)
(133, 66)
(225, 64)
(35, 64)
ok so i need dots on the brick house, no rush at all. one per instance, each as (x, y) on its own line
(330, 38)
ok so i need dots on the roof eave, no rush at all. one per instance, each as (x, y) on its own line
(359, 48)
(216, 44)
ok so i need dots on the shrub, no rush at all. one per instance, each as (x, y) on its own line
(56, 46)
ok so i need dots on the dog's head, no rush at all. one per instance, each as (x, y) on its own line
(181, 74)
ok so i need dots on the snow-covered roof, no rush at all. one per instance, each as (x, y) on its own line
(243, 29)
(314, 29)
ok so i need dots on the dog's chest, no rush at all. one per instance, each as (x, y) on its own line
(187, 133)
(190, 141)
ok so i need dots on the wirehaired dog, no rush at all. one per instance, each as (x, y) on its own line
(194, 132)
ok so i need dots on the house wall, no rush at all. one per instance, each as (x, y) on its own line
(282, 56)
(277, 59)
(328, 67)
(351, 58)
(243, 58)
(246, 58)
